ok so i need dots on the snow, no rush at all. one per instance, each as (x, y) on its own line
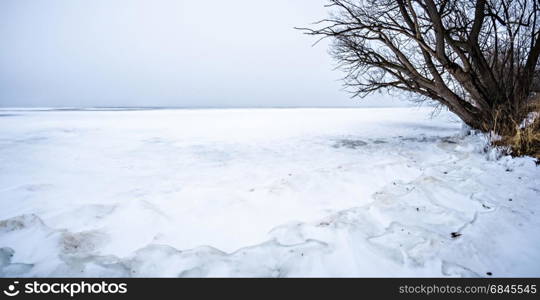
(260, 192)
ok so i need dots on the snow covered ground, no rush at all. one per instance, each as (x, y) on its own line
(260, 192)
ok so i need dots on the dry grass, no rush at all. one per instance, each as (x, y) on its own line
(526, 141)
(524, 137)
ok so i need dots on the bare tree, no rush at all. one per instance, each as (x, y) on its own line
(476, 57)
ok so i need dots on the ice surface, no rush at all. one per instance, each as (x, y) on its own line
(260, 192)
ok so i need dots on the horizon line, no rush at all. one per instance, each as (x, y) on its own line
(60, 108)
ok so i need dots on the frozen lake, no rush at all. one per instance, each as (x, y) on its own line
(260, 192)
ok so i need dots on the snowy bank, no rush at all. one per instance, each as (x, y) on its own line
(260, 192)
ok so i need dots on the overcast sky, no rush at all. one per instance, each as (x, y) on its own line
(82, 53)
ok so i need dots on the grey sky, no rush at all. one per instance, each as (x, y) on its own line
(165, 53)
